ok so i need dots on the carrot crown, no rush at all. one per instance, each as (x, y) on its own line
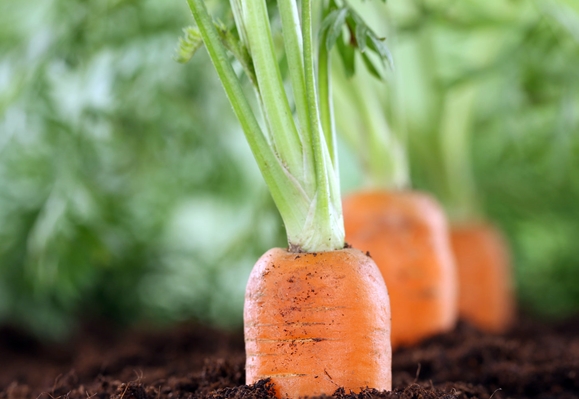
(296, 155)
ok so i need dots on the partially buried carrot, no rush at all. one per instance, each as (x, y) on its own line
(317, 315)
(327, 326)
(484, 272)
(406, 234)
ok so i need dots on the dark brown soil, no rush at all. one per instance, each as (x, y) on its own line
(532, 361)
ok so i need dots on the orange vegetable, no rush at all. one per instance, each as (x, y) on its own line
(317, 321)
(406, 235)
(486, 296)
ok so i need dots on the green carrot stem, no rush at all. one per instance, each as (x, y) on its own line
(361, 117)
(450, 124)
(455, 148)
(237, 10)
(326, 107)
(277, 110)
(327, 207)
(290, 199)
(296, 165)
(293, 43)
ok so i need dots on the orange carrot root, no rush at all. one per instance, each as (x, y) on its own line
(486, 296)
(406, 235)
(317, 321)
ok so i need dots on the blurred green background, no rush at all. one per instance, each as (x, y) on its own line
(127, 191)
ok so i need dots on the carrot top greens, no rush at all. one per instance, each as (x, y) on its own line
(297, 154)
(363, 121)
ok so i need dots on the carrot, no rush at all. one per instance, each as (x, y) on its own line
(406, 234)
(486, 297)
(327, 326)
(317, 315)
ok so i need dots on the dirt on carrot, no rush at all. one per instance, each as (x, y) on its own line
(406, 235)
(315, 322)
(486, 297)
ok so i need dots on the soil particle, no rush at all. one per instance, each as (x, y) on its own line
(534, 360)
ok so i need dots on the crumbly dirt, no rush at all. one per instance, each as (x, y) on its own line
(534, 360)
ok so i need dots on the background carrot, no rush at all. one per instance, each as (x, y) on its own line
(316, 316)
(405, 231)
(486, 298)
(406, 235)
(484, 273)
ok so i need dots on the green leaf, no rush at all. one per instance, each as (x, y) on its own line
(371, 67)
(362, 37)
(188, 45)
(361, 32)
(379, 46)
(236, 47)
(347, 54)
(335, 24)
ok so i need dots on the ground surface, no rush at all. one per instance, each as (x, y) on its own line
(532, 361)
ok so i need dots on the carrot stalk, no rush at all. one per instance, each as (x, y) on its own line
(380, 148)
(454, 136)
(293, 180)
(293, 43)
(276, 106)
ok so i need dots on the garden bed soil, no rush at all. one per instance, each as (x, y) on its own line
(534, 360)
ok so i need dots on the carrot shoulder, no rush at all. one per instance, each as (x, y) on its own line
(406, 235)
(484, 272)
(317, 321)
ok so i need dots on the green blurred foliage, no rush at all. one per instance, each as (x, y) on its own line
(488, 95)
(126, 191)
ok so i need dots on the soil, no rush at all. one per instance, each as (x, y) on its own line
(534, 360)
